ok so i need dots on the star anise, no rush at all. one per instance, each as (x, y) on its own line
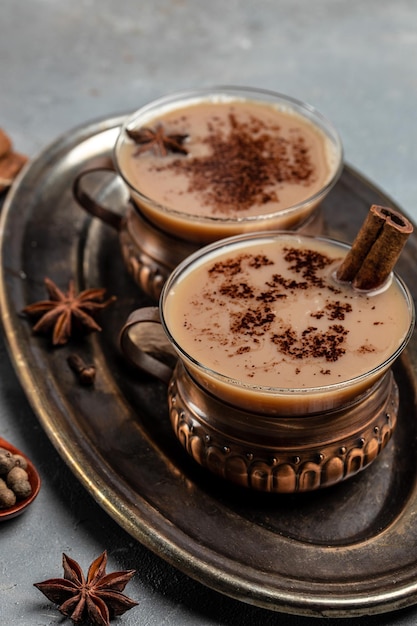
(157, 140)
(97, 598)
(63, 309)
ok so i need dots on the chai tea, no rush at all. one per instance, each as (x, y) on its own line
(269, 315)
(235, 161)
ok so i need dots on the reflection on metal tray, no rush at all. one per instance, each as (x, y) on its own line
(344, 551)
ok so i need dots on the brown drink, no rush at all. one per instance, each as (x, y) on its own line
(264, 324)
(210, 163)
(244, 161)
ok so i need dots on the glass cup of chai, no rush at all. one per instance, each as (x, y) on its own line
(215, 162)
(277, 351)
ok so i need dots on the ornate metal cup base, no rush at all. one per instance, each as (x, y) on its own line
(150, 254)
(282, 454)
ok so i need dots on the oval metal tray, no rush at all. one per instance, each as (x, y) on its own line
(345, 551)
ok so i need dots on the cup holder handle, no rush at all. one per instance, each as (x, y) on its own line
(145, 344)
(87, 202)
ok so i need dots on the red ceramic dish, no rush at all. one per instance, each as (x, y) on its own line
(34, 480)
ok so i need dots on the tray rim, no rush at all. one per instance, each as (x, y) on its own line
(313, 604)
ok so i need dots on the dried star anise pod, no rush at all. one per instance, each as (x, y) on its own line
(63, 309)
(157, 140)
(97, 598)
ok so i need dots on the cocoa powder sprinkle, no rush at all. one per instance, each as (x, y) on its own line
(244, 165)
(256, 319)
(313, 343)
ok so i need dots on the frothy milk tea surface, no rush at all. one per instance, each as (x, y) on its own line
(243, 159)
(270, 313)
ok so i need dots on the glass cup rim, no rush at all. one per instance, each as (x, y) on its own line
(302, 108)
(267, 390)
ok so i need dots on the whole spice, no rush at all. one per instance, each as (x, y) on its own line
(7, 496)
(85, 373)
(98, 597)
(20, 461)
(5, 143)
(157, 140)
(10, 166)
(376, 248)
(6, 461)
(18, 481)
(14, 479)
(11, 162)
(65, 310)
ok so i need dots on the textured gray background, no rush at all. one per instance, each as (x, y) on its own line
(64, 63)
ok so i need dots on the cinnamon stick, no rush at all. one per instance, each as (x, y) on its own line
(375, 249)
(5, 143)
(10, 166)
(11, 162)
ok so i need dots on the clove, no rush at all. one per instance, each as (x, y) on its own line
(85, 373)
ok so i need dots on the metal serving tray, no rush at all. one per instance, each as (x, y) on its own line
(345, 551)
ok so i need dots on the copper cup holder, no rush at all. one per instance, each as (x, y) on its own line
(279, 454)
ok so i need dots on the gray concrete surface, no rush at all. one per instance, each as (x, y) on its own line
(66, 62)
